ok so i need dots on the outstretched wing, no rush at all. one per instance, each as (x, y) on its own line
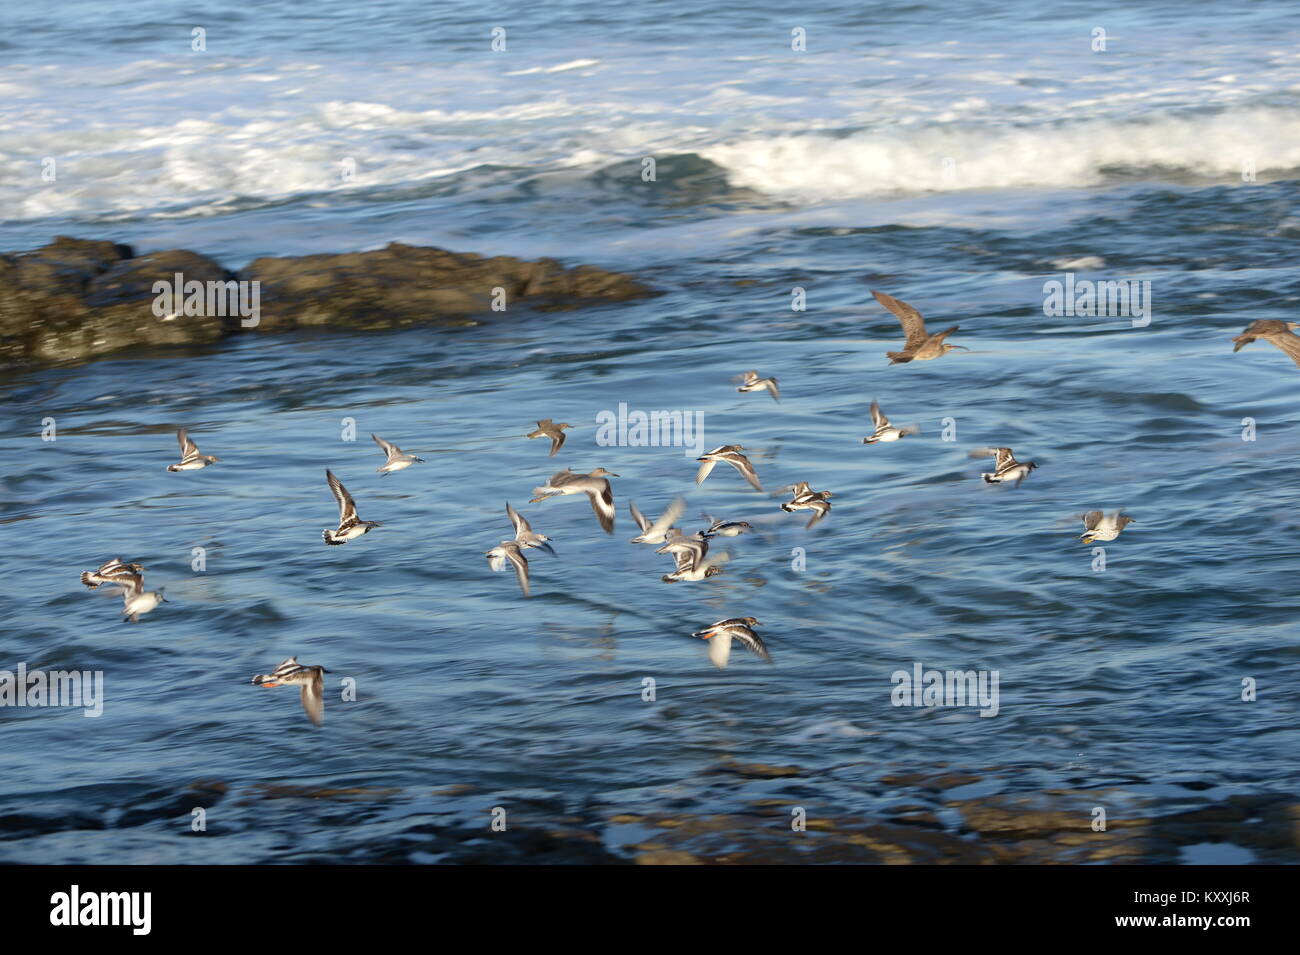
(313, 699)
(752, 642)
(188, 448)
(521, 525)
(877, 416)
(1091, 519)
(1288, 343)
(602, 502)
(741, 464)
(912, 322)
(520, 562)
(347, 507)
(668, 518)
(390, 449)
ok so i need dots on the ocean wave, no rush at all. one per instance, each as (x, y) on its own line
(1258, 141)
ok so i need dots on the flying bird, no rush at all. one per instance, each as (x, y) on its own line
(308, 678)
(752, 382)
(595, 485)
(397, 460)
(721, 634)
(730, 454)
(546, 428)
(1275, 333)
(884, 430)
(920, 345)
(661, 529)
(191, 460)
(510, 551)
(806, 499)
(1005, 466)
(136, 601)
(525, 536)
(350, 526)
(1103, 527)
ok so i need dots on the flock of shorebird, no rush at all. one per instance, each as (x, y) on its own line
(691, 553)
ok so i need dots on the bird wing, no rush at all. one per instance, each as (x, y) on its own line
(771, 386)
(877, 416)
(752, 642)
(390, 449)
(911, 320)
(1091, 519)
(347, 507)
(705, 469)
(637, 516)
(668, 517)
(741, 464)
(720, 649)
(313, 698)
(516, 557)
(521, 525)
(1288, 343)
(602, 502)
(188, 448)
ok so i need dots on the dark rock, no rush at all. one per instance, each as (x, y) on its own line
(76, 299)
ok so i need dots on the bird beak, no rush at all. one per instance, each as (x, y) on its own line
(549, 549)
(612, 474)
(962, 347)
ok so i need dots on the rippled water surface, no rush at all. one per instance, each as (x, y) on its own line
(1126, 680)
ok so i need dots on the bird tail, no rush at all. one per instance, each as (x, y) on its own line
(897, 357)
(88, 579)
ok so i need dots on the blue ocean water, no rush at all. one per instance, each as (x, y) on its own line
(957, 156)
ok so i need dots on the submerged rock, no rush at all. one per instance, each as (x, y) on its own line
(76, 299)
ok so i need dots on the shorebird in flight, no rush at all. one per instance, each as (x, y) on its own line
(308, 678)
(350, 526)
(1275, 333)
(661, 529)
(136, 601)
(688, 550)
(884, 430)
(510, 551)
(725, 528)
(920, 345)
(806, 499)
(723, 632)
(1005, 466)
(113, 572)
(191, 460)
(546, 428)
(397, 460)
(525, 536)
(595, 485)
(1103, 527)
(691, 568)
(729, 453)
(752, 382)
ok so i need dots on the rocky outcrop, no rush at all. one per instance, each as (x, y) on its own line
(76, 299)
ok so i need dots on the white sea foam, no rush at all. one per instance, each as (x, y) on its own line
(951, 158)
(205, 136)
